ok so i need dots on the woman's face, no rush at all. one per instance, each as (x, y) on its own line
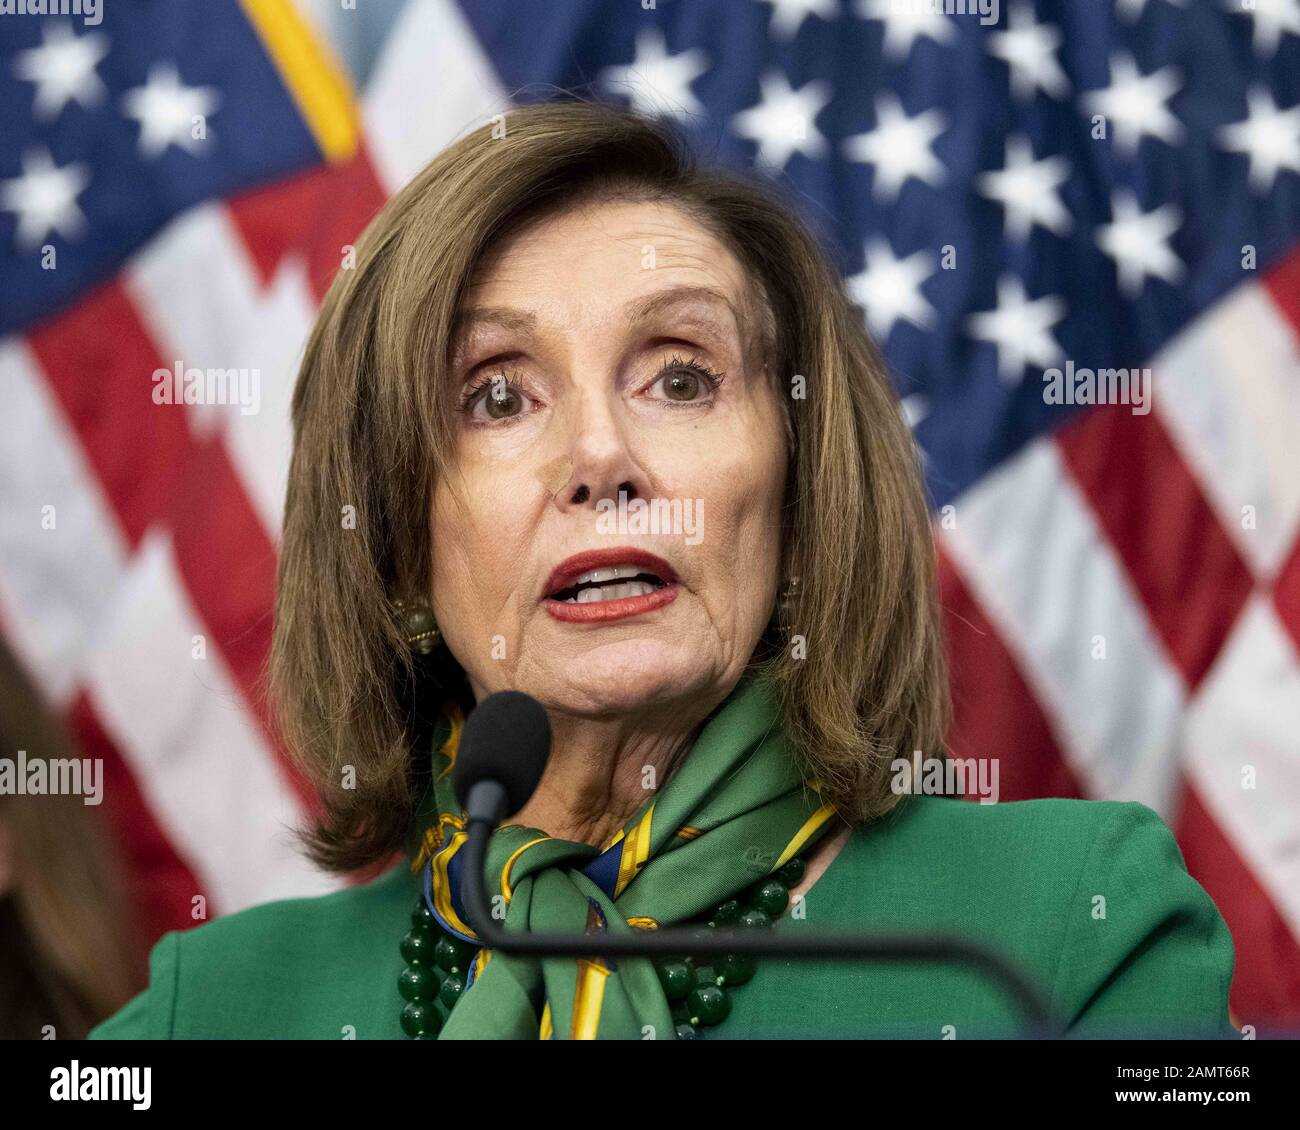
(609, 349)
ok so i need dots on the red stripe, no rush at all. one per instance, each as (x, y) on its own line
(1266, 979)
(995, 714)
(1283, 283)
(228, 565)
(1286, 596)
(236, 591)
(1186, 570)
(99, 360)
(161, 884)
(315, 214)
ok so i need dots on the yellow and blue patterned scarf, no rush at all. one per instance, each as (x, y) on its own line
(734, 811)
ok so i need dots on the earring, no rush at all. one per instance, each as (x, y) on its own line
(419, 628)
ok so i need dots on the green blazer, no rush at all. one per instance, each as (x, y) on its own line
(1091, 898)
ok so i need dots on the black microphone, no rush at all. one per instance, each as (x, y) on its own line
(502, 754)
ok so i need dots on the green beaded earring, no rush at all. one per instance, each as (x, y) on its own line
(419, 628)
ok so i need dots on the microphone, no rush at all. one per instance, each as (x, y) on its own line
(503, 752)
(502, 755)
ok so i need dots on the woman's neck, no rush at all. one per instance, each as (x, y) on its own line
(599, 774)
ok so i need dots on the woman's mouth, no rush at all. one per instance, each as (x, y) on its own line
(617, 586)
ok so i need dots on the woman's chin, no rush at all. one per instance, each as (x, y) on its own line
(624, 677)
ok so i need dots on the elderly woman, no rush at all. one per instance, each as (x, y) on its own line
(589, 422)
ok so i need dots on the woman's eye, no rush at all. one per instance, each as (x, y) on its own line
(498, 399)
(686, 383)
(681, 385)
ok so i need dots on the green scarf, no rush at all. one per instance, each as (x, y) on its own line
(734, 811)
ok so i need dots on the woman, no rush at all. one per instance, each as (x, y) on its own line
(587, 422)
(68, 959)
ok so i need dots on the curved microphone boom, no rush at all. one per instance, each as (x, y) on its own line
(502, 755)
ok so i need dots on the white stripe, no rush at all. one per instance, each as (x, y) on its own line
(203, 766)
(55, 582)
(197, 291)
(432, 84)
(1029, 549)
(261, 445)
(1246, 719)
(1228, 388)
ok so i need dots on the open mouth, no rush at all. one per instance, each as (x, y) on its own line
(616, 582)
(609, 584)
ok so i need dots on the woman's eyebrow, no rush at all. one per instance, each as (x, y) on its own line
(467, 321)
(505, 316)
(640, 309)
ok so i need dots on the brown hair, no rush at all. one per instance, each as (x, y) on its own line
(372, 427)
(69, 956)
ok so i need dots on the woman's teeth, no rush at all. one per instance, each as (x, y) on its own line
(611, 592)
(609, 573)
(612, 582)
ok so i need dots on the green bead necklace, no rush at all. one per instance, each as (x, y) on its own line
(437, 963)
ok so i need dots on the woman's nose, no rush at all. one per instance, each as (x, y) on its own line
(603, 465)
(583, 492)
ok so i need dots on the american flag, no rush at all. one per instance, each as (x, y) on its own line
(1008, 190)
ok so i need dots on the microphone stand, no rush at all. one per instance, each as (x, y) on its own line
(487, 798)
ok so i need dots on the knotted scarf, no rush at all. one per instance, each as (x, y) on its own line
(735, 809)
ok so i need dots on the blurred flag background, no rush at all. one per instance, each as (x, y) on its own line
(1008, 189)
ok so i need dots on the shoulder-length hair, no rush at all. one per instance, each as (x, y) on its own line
(855, 654)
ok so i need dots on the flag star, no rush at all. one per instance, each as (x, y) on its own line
(63, 69)
(915, 409)
(1136, 103)
(166, 109)
(889, 288)
(1270, 136)
(788, 15)
(1020, 329)
(1027, 190)
(1131, 10)
(905, 23)
(1273, 19)
(899, 147)
(44, 199)
(1139, 242)
(656, 82)
(782, 124)
(1029, 49)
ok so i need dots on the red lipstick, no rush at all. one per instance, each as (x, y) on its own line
(602, 611)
